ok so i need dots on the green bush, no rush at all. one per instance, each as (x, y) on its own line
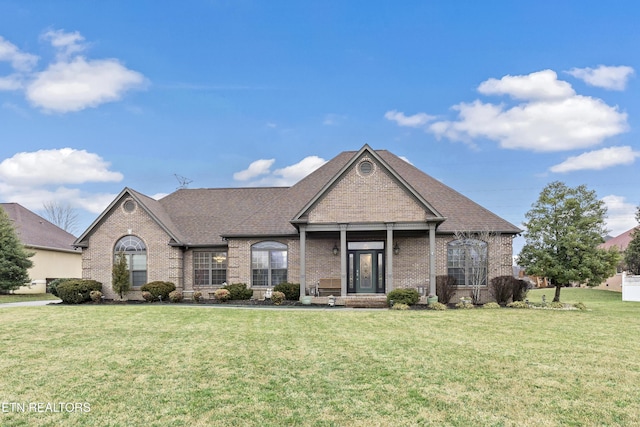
(222, 294)
(278, 297)
(96, 296)
(52, 287)
(491, 305)
(77, 291)
(291, 291)
(238, 291)
(407, 296)
(175, 296)
(437, 306)
(518, 304)
(159, 289)
(445, 288)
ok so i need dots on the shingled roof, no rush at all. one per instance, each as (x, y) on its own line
(204, 217)
(35, 231)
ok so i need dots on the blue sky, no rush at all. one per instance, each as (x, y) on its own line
(495, 98)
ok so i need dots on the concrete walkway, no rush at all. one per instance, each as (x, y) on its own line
(30, 303)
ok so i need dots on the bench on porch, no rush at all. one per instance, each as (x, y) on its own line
(328, 287)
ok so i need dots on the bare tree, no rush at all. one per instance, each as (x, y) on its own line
(475, 255)
(62, 215)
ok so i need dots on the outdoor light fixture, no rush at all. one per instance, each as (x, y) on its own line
(335, 249)
(396, 249)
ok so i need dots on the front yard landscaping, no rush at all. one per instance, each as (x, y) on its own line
(172, 365)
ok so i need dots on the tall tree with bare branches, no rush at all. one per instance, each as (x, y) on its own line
(62, 215)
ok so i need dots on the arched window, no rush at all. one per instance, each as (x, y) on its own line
(268, 263)
(467, 261)
(136, 254)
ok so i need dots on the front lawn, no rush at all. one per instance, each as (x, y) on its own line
(200, 366)
(26, 298)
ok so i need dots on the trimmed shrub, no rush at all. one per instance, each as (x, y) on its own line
(96, 296)
(278, 297)
(437, 306)
(580, 306)
(400, 306)
(175, 296)
(222, 294)
(465, 304)
(238, 291)
(520, 290)
(159, 289)
(491, 305)
(407, 296)
(445, 288)
(197, 296)
(556, 305)
(291, 291)
(52, 287)
(77, 291)
(502, 288)
(148, 296)
(518, 304)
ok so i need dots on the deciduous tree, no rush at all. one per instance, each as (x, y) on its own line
(632, 253)
(14, 259)
(62, 215)
(563, 230)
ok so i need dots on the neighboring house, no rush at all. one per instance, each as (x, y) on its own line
(54, 255)
(364, 223)
(614, 283)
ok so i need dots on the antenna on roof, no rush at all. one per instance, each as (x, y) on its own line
(184, 182)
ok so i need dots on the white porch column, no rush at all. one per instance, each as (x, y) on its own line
(303, 260)
(432, 259)
(343, 260)
(389, 265)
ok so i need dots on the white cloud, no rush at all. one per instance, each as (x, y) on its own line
(283, 177)
(406, 159)
(66, 44)
(551, 117)
(53, 167)
(294, 173)
(72, 82)
(539, 85)
(80, 84)
(257, 168)
(417, 120)
(20, 61)
(607, 77)
(598, 159)
(620, 214)
(11, 82)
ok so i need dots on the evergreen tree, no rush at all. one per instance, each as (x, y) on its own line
(632, 253)
(14, 259)
(564, 228)
(120, 275)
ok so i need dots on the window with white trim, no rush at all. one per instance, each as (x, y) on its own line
(209, 268)
(135, 253)
(467, 261)
(268, 264)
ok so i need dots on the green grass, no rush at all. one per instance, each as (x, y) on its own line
(201, 366)
(26, 297)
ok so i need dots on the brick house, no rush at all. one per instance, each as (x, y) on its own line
(362, 224)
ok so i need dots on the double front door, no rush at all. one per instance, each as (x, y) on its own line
(366, 267)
